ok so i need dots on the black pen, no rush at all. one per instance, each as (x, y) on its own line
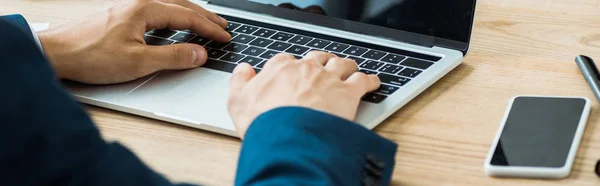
(590, 73)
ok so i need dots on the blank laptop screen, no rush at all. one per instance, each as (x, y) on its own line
(448, 19)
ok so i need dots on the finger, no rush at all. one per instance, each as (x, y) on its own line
(341, 67)
(163, 15)
(198, 9)
(241, 75)
(363, 83)
(319, 57)
(279, 58)
(177, 56)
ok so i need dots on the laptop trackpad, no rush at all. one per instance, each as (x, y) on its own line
(198, 95)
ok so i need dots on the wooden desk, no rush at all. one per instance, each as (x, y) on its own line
(519, 47)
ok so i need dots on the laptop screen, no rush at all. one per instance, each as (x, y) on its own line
(448, 19)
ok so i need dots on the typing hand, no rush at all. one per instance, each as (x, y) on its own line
(109, 47)
(319, 81)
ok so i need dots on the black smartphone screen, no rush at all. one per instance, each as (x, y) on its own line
(539, 132)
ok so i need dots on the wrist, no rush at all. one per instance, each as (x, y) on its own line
(55, 51)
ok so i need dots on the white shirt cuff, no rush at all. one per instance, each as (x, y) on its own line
(36, 38)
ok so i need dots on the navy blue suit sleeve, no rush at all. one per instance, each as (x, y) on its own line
(299, 146)
(45, 137)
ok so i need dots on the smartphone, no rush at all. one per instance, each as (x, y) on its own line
(538, 137)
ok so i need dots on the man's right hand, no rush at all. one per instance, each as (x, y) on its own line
(319, 81)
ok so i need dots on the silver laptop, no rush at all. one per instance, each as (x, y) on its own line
(409, 44)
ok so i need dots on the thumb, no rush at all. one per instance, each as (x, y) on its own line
(175, 57)
(241, 75)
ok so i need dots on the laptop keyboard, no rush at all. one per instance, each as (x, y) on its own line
(256, 44)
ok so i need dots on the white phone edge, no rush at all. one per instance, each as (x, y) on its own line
(538, 172)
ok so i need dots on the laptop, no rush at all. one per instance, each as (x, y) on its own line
(409, 44)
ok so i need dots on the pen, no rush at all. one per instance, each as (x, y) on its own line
(597, 169)
(590, 73)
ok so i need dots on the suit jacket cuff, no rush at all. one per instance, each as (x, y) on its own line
(20, 22)
(362, 153)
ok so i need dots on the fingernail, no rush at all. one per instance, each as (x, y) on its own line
(223, 19)
(198, 56)
(239, 68)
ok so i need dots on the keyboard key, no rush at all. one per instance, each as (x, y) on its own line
(368, 71)
(297, 50)
(155, 41)
(280, 46)
(374, 98)
(235, 47)
(233, 34)
(216, 45)
(219, 65)
(269, 54)
(318, 43)
(410, 73)
(232, 26)
(375, 55)
(282, 36)
(337, 47)
(257, 70)
(417, 63)
(182, 37)
(357, 59)
(215, 54)
(232, 57)
(301, 40)
(393, 58)
(371, 65)
(340, 55)
(386, 89)
(254, 51)
(261, 65)
(199, 40)
(260, 42)
(264, 33)
(252, 60)
(243, 38)
(246, 29)
(393, 80)
(164, 33)
(392, 69)
(355, 51)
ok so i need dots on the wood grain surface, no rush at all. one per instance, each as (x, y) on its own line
(519, 47)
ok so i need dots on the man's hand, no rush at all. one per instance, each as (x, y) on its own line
(319, 81)
(110, 48)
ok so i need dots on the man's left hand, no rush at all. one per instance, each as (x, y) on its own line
(110, 48)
